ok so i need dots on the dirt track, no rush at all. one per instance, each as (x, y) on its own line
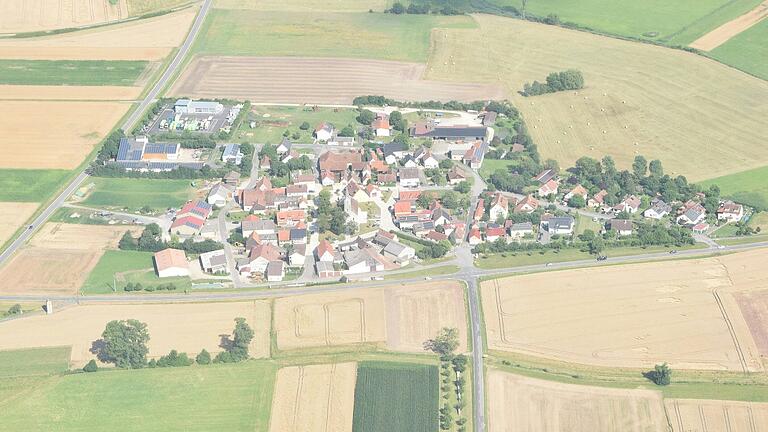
(725, 32)
(318, 80)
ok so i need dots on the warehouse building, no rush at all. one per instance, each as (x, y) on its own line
(188, 106)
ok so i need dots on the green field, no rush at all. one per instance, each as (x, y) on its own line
(31, 362)
(490, 166)
(140, 7)
(747, 50)
(270, 129)
(392, 397)
(133, 194)
(226, 397)
(121, 267)
(71, 72)
(322, 34)
(747, 187)
(23, 185)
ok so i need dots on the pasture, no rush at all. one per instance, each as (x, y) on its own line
(170, 327)
(747, 50)
(133, 194)
(233, 397)
(748, 187)
(76, 72)
(314, 398)
(119, 267)
(638, 99)
(519, 403)
(44, 15)
(688, 314)
(716, 415)
(31, 362)
(396, 397)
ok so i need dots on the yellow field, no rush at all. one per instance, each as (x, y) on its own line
(305, 5)
(34, 92)
(170, 327)
(716, 416)
(517, 403)
(318, 398)
(140, 7)
(701, 118)
(12, 215)
(17, 16)
(638, 315)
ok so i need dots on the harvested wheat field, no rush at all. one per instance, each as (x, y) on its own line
(318, 398)
(725, 32)
(626, 316)
(148, 39)
(18, 16)
(58, 258)
(187, 327)
(689, 415)
(518, 403)
(51, 134)
(400, 318)
(750, 279)
(318, 80)
(12, 216)
(42, 92)
(639, 99)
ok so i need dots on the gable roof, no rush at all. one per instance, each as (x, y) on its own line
(169, 258)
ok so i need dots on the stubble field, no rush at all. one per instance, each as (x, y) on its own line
(688, 415)
(60, 92)
(314, 398)
(517, 403)
(38, 15)
(12, 215)
(400, 319)
(637, 315)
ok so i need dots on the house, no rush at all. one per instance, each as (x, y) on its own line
(187, 226)
(577, 190)
(409, 177)
(355, 211)
(499, 207)
(730, 211)
(387, 179)
(475, 238)
(398, 252)
(232, 154)
(187, 106)
(598, 200)
(473, 157)
(494, 233)
(296, 190)
(489, 117)
(200, 209)
(381, 126)
(263, 184)
(324, 131)
(261, 255)
(622, 227)
(545, 176)
(419, 229)
(327, 178)
(457, 133)
(410, 162)
(293, 154)
(290, 218)
(265, 163)
(658, 209)
(403, 207)
(700, 228)
(171, 263)
(340, 161)
(214, 261)
(219, 194)
(373, 192)
(630, 204)
(429, 161)
(298, 256)
(284, 146)
(558, 225)
(297, 236)
(275, 271)
(456, 176)
(327, 270)
(692, 213)
(547, 189)
(519, 230)
(441, 216)
(258, 226)
(528, 204)
(362, 261)
(394, 151)
(479, 210)
(324, 251)
(345, 141)
(210, 230)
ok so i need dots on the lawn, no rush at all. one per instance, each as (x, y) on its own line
(747, 51)
(322, 34)
(133, 194)
(31, 362)
(747, 187)
(121, 267)
(432, 271)
(22, 185)
(71, 72)
(490, 166)
(272, 121)
(584, 223)
(231, 397)
(392, 397)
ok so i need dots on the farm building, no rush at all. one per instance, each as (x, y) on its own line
(171, 263)
(187, 106)
(409, 177)
(449, 133)
(139, 154)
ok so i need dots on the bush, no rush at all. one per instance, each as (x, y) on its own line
(174, 359)
(15, 309)
(203, 358)
(91, 366)
(557, 81)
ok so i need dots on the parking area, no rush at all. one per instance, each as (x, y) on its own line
(171, 119)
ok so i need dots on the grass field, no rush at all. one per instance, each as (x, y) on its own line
(747, 187)
(274, 120)
(395, 397)
(233, 397)
(38, 361)
(319, 34)
(22, 185)
(305, 5)
(747, 51)
(490, 166)
(140, 7)
(122, 267)
(75, 72)
(136, 193)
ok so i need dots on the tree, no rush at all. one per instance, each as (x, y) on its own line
(15, 309)
(174, 359)
(596, 245)
(127, 242)
(237, 347)
(577, 201)
(660, 375)
(640, 166)
(463, 187)
(365, 117)
(203, 358)
(91, 366)
(304, 126)
(347, 131)
(125, 343)
(445, 343)
(656, 169)
(397, 121)
(397, 8)
(446, 164)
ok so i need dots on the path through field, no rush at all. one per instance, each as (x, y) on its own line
(725, 32)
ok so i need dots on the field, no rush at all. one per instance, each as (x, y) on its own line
(725, 32)
(681, 312)
(276, 119)
(396, 397)
(318, 80)
(42, 15)
(148, 39)
(121, 267)
(314, 398)
(321, 34)
(748, 187)
(716, 415)
(30, 362)
(12, 216)
(140, 7)
(233, 397)
(58, 258)
(170, 327)
(46, 135)
(97, 93)
(747, 50)
(26, 185)
(136, 193)
(400, 319)
(519, 403)
(305, 5)
(639, 99)
(77, 72)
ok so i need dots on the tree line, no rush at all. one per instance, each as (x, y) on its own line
(570, 79)
(500, 107)
(151, 240)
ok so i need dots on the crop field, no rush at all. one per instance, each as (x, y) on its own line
(170, 327)
(321, 34)
(681, 312)
(716, 415)
(232, 397)
(31, 362)
(639, 98)
(97, 93)
(12, 216)
(747, 51)
(140, 7)
(137, 193)
(314, 398)
(748, 187)
(147, 39)
(305, 5)
(400, 319)
(318, 80)
(40, 15)
(520, 403)
(396, 397)
(26, 185)
(46, 135)
(76, 72)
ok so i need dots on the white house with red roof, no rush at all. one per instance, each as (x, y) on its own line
(730, 211)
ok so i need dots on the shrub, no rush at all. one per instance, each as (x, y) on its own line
(91, 366)
(203, 358)
(174, 359)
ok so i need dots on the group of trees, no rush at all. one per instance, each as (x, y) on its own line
(422, 7)
(151, 240)
(279, 170)
(444, 344)
(331, 216)
(500, 107)
(116, 171)
(570, 79)
(130, 286)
